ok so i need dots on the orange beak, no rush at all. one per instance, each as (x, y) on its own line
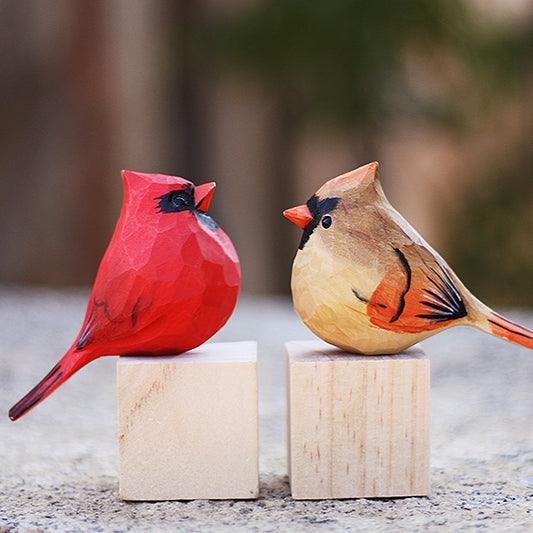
(299, 215)
(203, 194)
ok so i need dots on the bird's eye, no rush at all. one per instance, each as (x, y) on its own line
(177, 200)
(326, 222)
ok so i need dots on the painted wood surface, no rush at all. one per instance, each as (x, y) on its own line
(364, 280)
(168, 281)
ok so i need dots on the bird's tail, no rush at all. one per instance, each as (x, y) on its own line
(499, 326)
(69, 364)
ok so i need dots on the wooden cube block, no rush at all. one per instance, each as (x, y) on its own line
(358, 425)
(188, 425)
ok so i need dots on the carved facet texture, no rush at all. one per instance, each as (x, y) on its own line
(364, 280)
(169, 280)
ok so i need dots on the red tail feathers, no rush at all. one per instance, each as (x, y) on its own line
(71, 362)
(501, 327)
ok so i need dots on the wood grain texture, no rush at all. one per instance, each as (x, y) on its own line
(358, 426)
(188, 424)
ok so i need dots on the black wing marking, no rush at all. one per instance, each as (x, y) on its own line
(85, 336)
(103, 305)
(407, 269)
(365, 300)
(87, 332)
(443, 302)
(360, 297)
(135, 312)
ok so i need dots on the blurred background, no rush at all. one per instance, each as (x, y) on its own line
(270, 98)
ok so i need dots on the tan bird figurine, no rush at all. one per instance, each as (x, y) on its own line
(364, 280)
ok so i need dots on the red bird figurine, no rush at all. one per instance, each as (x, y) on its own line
(169, 280)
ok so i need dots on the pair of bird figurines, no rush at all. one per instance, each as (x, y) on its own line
(363, 279)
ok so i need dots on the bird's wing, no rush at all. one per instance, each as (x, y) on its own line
(115, 308)
(418, 293)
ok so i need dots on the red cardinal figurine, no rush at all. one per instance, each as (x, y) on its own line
(168, 281)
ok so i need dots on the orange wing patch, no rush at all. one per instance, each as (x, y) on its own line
(413, 302)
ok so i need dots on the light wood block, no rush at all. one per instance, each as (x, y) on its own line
(359, 426)
(188, 424)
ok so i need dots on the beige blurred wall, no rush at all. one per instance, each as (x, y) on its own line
(93, 86)
(83, 94)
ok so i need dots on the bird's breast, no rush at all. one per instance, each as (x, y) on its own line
(324, 287)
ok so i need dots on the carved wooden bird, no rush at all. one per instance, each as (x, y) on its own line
(168, 281)
(364, 280)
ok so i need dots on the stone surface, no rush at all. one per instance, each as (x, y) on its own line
(58, 465)
(187, 424)
(358, 426)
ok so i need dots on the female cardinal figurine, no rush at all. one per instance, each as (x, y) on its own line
(365, 281)
(168, 281)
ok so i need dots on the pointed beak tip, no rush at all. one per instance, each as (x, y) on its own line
(299, 215)
(203, 194)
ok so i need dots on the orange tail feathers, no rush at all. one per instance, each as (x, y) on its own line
(499, 326)
(69, 364)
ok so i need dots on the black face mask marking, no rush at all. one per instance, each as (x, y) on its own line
(317, 208)
(183, 200)
(176, 201)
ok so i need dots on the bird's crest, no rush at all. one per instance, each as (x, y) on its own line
(359, 178)
(134, 179)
